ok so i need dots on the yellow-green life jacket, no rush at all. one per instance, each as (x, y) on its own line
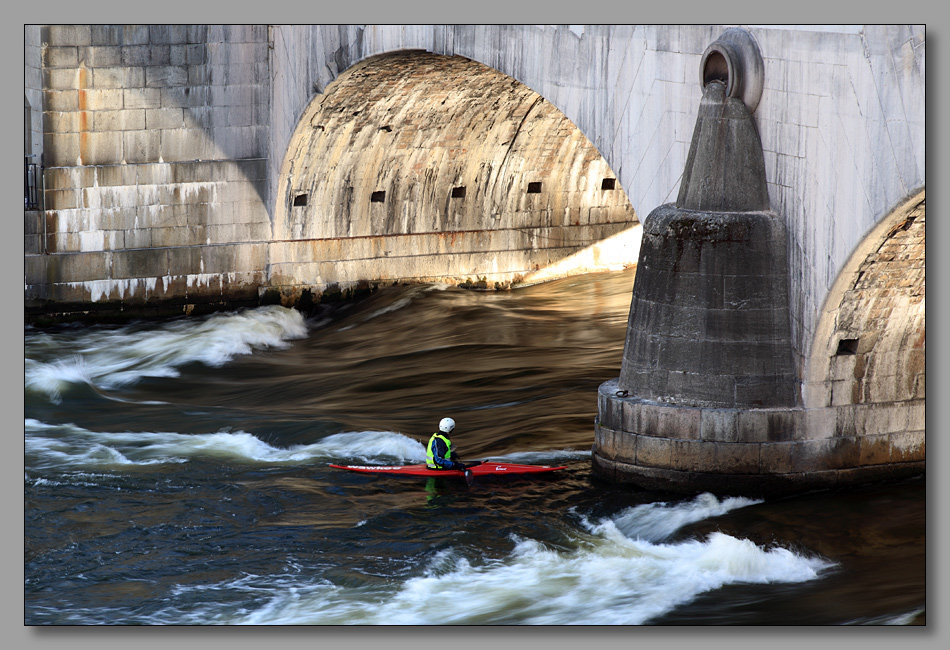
(430, 452)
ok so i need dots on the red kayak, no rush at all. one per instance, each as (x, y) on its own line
(485, 469)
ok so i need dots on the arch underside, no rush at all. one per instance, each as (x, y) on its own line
(415, 166)
(870, 347)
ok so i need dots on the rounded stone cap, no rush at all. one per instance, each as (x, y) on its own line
(735, 61)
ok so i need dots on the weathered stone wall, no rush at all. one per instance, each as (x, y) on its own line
(841, 116)
(864, 411)
(754, 452)
(414, 166)
(707, 343)
(33, 132)
(160, 175)
(155, 143)
(871, 344)
(708, 320)
(33, 91)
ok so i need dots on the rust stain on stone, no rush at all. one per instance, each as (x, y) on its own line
(83, 114)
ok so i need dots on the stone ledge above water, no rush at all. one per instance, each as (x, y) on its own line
(754, 451)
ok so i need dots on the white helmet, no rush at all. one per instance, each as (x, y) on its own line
(446, 425)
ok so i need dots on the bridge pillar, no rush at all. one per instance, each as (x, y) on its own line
(709, 398)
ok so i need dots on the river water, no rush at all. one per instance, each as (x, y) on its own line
(176, 472)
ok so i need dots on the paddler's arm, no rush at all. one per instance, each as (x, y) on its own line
(438, 457)
(444, 463)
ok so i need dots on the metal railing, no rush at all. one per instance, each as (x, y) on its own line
(29, 187)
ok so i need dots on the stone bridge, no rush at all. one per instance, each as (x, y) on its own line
(187, 167)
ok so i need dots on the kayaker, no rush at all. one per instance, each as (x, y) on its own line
(439, 454)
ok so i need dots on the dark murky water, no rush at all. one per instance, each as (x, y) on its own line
(177, 472)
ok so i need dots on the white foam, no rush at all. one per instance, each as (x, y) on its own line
(657, 521)
(109, 359)
(608, 578)
(601, 577)
(907, 618)
(541, 457)
(373, 447)
(71, 447)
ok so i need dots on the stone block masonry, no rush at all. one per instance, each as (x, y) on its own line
(154, 147)
(864, 403)
(830, 92)
(413, 166)
(761, 452)
(708, 396)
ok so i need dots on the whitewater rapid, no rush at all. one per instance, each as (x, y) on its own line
(219, 515)
(109, 358)
(608, 577)
(619, 569)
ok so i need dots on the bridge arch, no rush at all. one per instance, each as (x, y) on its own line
(424, 167)
(870, 342)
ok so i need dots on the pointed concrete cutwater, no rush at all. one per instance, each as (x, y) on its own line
(708, 396)
(709, 322)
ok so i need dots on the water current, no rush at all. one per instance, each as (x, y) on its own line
(177, 472)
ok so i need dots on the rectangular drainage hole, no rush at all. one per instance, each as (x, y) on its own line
(608, 184)
(300, 200)
(378, 197)
(534, 188)
(458, 192)
(847, 347)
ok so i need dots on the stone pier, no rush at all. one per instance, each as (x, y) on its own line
(709, 397)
